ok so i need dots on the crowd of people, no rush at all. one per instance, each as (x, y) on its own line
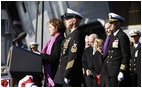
(75, 61)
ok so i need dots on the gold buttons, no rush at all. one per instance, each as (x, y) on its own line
(108, 50)
(134, 69)
(134, 64)
(134, 59)
(107, 62)
(110, 62)
(112, 51)
(130, 64)
(130, 69)
(59, 66)
(110, 56)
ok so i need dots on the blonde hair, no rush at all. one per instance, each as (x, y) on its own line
(98, 42)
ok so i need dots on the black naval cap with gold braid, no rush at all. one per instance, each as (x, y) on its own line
(135, 32)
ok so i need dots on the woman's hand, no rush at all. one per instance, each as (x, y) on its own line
(37, 52)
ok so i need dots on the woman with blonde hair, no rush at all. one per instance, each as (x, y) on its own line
(97, 62)
(98, 44)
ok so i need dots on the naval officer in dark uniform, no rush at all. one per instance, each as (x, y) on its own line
(69, 72)
(118, 52)
(135, 61)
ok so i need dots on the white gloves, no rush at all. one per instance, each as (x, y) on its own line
(66, 80)
(120, 76)
(88, 72)
(30, 85)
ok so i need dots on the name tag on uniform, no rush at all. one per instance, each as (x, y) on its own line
(115, 43)
(136, 53)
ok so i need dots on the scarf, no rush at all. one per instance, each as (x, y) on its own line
(106, 44)
(47, 68)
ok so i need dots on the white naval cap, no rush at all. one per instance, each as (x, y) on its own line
(33, 44)
(71, 14)
(134, 33)
(113, 17)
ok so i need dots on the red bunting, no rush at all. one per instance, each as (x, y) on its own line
(4, 83)
(28, 81)
(98, 77)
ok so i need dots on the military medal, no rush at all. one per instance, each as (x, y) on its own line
(115, 43)
(74, 48)
(66, 45)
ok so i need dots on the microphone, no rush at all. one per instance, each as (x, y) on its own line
(20, 36)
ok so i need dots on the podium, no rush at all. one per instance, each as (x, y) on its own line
(23, 62)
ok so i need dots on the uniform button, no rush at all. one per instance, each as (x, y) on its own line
(134, 59)
(134, 69)
(108, 50)
(112, 51)
(130, 69)
(110, 62)
(107, 62)
(130, 60)
(134, 64)
(108, 56)
(130, 64)
(111, 57)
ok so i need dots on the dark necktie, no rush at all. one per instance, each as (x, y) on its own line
(106, 44)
